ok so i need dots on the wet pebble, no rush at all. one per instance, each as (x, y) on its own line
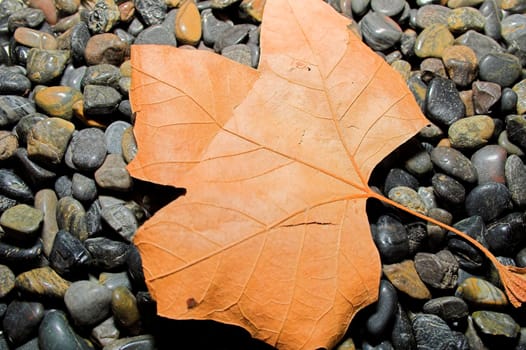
(113, 136)
(489, 161)
(408, 198)
(100, 100)
(449, 308)
(68, 256)
(79, 39)
(34, 38)
(471, 132)
(520, 90)
(71, 217)
(438, 270)
(46, 201)
(479, 43)
(21, 321)
(433, 40)
(479, 292)
(500, 68)
(83, 188)
(151, 11)
(103, 16)
(212, 26)
(461, 64)
(21, 223)
(105, 48)
(13, 108)
(188, 27)
(431, 329)
(42, 281)
(12, 186)
(7, 280)
(379, 31)
(504, 236)
(13, 83)
(485, 95)
(88, 149)
(45, 65)
(404, 278)
(48, 139)
(55, 332)
(399, 177)
(515, 174)
(428, 15)
(385, 310)
(88, 302)
(454, 163)
(8, 144)
(106, 254)
(489, 200)
(106, 332)
(448, 189)
(120, 218)
(443, 102)
(496, 324)
(125, 310)
(465, 18)
(25, 17)
(57, 101)
(156, 34)
(232, 35)
(113, 175)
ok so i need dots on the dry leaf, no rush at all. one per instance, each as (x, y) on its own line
(272, 234)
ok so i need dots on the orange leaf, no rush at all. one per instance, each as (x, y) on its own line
(272, 234)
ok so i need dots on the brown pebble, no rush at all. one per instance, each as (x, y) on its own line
(47, 7)
(467, 99)
(485, 95)
(67, 7)
(404, 277)
(35, 38)
(479, 292)
(433, 65)
(8, 144)
(57, 101)
(106, 48)
(253, 8)
(188, 23)
(461, 64)
(42, 281)
(127, 11)
(113, 174)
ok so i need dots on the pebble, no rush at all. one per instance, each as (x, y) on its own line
(510, 147)
(379, 31)
(388, 7)
(48, 9)
(461, 64)
(399, 177)
(520, 90)
(448, 308)
(488, 200)
(385, 310)
(63, 186)
(57, 101)
(113, 175)
(481, 293)
(515, 174)
(212, 27)
(21, 223)
(188, 24)
(408, 198)
(12, 83)
(42, 281)
(100, 100)
(106, 332)
(448, 189)
(504, 236)
(454, 163)
(419, 164)
(143, 342)
(46, 201)
(25, 17)
(83, 188)
(462, 3)
(485, 95)
(34, 38)
(101, 74)
(404, 278)
(496, 324)
(493, 16)
(433, 40)
(103, 16)
(48, 139)
(67, 7)
(151, 11)
(13, 108)
(465, 18)
(508, 100)
(240, 53)
(21, 321)
(428, 15)
(125, 310)
(25, 124)
(68, 256)
(156, 34)
(438, 270)
(120, 218)
(443, 103)
(72, 77)
(88, 149)
(88, 302)
(71, 217)
(129, 145)
(501, 68)
(45, 65)
(105, 48)
(12, 186)
(8, 144)
(431, 329)
(471, 132)
(113, 136)
(13, 254)
(232, 35)
(479, 43)
(7, 280)
(80, 36)
(55, 332)
(489, 161)
(107, 254)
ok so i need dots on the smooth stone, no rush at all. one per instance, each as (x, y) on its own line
(21, 222)
(232, 35)
(448, 189)
(513, 5)
(36, 175)
(88, 303)
(55, 332)
(520, 258)
(71, 217)
(385, 310)
(106, 332)
(467, 99)
(509, 146)
(496, 324)
(463, 3)
(113, 175)
(188, 24)
(489, 161)
(493, 16)
(100, 100)
(35, 38)
(157, 35)
(391, 239)
(443, 102)
(407, 42)
(125, 311)
(143, 342)
(14, 254)
(106, 48)
(93, 218)
(213, 27)
(419, 164)
(428, 15)
(465, 18)
(151, 11)
(433, 40)
(505, 236)
(512, 29)
(72, 76)
(431, 329)
(46, 201)
(30, 345)
(106, 254)
(461, 64)
(13, 83)
(45, 65)
(404, 277)
(120, 218)
(508, 100)
(500, 68)
(471, 132)
(101, 74)
(485, 95)
(479, 43)
(6, 203)
(360, 7)
(448, 308)
(7, 280)
(67, 7)
(433, 65)
(80, 36)
(418, 88)
(127, 11)
(388, 7)
(135, 271)
(408, 197)
(520, 90)
(25, 17)
(515, 174)
(48, 139)
(83, 188)
(488, 200)
(13, 108)
(438, 270)
(63, 186)
(114, 280)
(57, 101)
(399, 177)
(403, 67)
(68, 256)
(64, 24)
(481, 293)
(88, 149)
(21, 321)
(379, 31)
(8, 144)
(454, 163)
(240, 53)
(47, 7)
(113, 136)
(42, 281)
(402, 336)
(12, 186)
(103, 16)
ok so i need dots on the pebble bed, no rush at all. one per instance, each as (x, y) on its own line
(70, 277)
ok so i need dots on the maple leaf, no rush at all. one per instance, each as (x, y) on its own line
(272, 234)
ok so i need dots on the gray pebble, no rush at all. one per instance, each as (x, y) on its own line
(88, 149)
(515, 173)
(88, 302)
(113, 136)
(488, 200)
(379, 32)
(454, 163)
(157, 35)
(83, 188)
